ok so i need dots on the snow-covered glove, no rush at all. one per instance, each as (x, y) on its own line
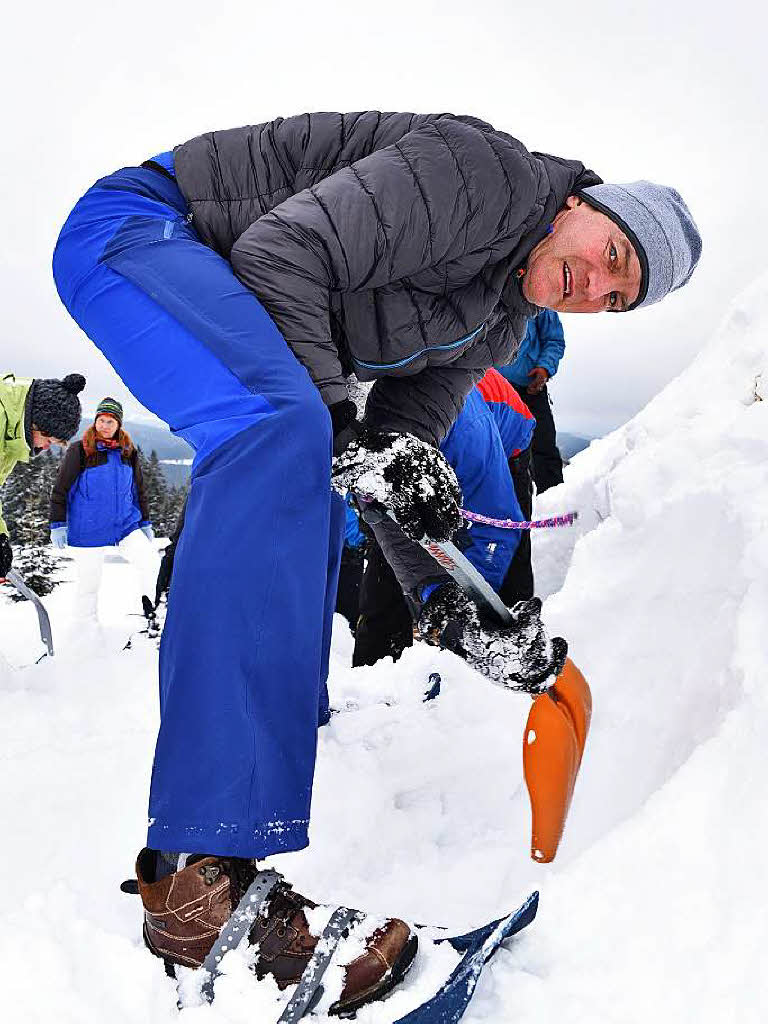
(58, 535)
(6, 555)
(519, 656)
(146, 529)
(405, 475)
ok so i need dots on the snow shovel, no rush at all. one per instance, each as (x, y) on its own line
(553, 746)
(558, 722)
(42, 615)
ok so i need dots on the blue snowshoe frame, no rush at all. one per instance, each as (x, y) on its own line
(478, 946)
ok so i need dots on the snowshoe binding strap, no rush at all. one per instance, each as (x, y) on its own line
(309, 990)
(238, 926)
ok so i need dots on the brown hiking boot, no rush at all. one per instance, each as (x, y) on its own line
(185, 912)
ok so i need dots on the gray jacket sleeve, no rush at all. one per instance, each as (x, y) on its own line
(390, 215)
(426, 404)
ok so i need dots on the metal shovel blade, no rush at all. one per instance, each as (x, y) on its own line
(42, 615)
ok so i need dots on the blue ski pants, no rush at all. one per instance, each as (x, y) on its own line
(244, 654)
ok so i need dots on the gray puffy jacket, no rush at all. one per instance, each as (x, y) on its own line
(382, 244)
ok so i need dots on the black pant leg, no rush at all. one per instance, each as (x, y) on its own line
(518, 581)
(350, 578)
(547, 462)
(384, 625)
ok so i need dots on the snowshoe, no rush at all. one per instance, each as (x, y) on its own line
(189, 921)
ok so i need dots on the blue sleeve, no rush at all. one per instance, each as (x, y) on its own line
(516, 372)
(515, 430)
(353, 535)
(475, 451)
(552, 340)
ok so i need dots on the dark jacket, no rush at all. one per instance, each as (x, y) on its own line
(100, 498)
(543, 345)
(384, 244)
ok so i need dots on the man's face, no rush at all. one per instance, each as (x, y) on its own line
(586, 265)
(42, 442)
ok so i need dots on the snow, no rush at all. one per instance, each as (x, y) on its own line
(654, 909)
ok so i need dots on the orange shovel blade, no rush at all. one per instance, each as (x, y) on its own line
(572, 690)
(553, 745)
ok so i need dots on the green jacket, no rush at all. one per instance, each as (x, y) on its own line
(13, 440)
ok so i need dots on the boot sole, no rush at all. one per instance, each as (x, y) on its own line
(390, 980)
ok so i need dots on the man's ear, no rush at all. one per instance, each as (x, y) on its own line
(572, 201)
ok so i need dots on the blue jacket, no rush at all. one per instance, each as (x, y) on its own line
(475, 449)
(543, 345)
(103, 502)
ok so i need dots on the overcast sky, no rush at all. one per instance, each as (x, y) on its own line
(672, 91)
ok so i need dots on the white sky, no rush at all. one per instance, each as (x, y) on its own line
(670, 90)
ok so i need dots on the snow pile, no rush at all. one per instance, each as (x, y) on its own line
(664, 599)
(653, 910)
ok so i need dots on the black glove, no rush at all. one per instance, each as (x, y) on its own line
(6, 555)
(520, 656)
(405, 475)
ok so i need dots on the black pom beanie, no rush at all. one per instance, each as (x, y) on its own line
(55, 408)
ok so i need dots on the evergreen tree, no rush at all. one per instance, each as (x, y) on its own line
(156, 490)
(177, 497)
(26, 503)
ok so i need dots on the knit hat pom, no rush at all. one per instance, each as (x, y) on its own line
(73, 383)
(54, 407)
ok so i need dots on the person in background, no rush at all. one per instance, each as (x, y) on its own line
(352, 566)
(98, 502)
(492, 432)
(517, 426)
(34, 414)
(536, 362)
(163, 583)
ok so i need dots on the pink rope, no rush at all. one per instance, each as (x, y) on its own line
(509, 524)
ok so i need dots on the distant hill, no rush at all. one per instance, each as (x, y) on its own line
(571, 444)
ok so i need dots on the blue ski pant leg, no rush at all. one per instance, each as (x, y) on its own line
(245, 647)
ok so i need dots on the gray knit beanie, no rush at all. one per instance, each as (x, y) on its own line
(660, 227)
(55, 407)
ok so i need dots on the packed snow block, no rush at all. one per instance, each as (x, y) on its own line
(553, 746)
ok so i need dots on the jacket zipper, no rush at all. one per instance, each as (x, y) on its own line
(429, 348)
